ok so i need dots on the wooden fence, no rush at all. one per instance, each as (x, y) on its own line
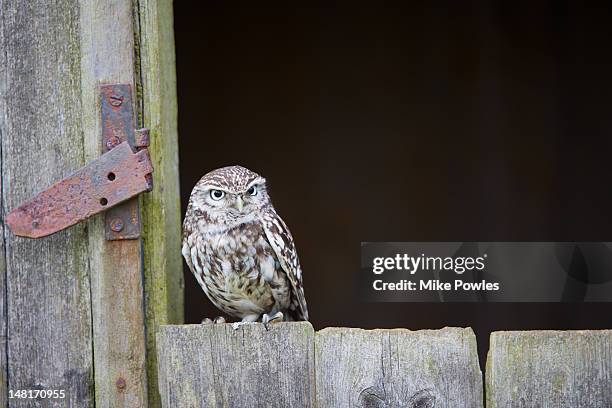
(292, 366)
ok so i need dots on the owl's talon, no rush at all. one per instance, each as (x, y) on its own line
(216, 320)
(252, 318)
(266, 319)
(237, 325)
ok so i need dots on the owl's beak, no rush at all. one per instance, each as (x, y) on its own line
(239, 204)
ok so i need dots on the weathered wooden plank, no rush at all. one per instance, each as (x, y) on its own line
(550, 369)
(163, 267)
(48, 291)
(3, 299)
(107, 46)
(397, 368)
(215, 365)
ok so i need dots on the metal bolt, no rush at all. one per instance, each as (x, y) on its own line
(121, 384)
(112, 142)
(35, 224)
(116, 224)
(142, 138)
(116, 100)
(149, 182)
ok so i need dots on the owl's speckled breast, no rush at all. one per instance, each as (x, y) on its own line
(239, 271)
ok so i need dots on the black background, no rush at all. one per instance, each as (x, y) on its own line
(477, 121)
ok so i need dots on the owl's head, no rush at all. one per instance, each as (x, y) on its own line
(229, 196)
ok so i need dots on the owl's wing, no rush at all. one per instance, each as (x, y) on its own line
(280, 239)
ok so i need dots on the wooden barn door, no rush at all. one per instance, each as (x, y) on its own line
(78, 313)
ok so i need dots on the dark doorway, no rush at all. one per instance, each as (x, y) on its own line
(486, 121)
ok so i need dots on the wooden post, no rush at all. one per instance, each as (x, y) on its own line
(47, 292)
(3, 272)
(107, 56)
(74, 301)
(215, 365)
(163, 265)
(397, 368)
(550, 369)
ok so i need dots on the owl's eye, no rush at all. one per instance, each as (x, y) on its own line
(252, 190)
(217, 194)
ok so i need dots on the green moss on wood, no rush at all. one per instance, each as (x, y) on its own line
(156, 89)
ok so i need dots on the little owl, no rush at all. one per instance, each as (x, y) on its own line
(239, 249)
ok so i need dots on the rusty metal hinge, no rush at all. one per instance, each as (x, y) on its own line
(105, 184)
